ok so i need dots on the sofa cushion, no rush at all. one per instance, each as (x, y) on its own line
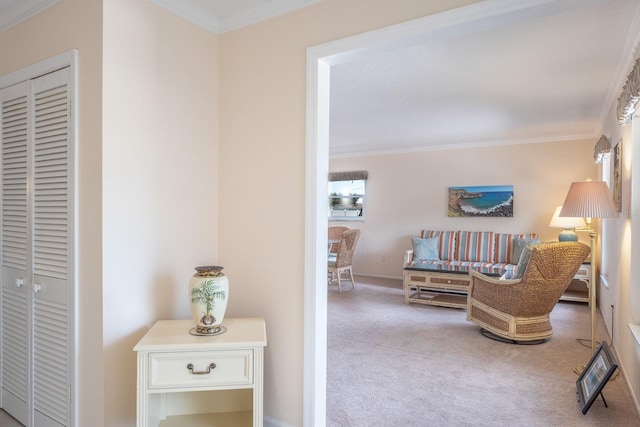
(504, 246)
(425, 249)
(475, 246)
(508, 268)
(471, 263)
(446, 243)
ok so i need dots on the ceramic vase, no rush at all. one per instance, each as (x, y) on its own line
(208, 294)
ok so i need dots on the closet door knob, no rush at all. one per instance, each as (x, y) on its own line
(36, 288)
(19, 283)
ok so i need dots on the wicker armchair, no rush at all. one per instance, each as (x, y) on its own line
(341, 262)
(518, 310)
(335, 233)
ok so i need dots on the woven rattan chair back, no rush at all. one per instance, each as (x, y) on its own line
(335, 234)
(518, 310)
(347, 247)
(548, 274)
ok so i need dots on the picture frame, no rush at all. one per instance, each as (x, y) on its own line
(617, 175)
(595, 376)
(481, 201)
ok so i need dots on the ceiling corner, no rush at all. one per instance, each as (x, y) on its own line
(17, 11)
(191, 12)
(262, 12)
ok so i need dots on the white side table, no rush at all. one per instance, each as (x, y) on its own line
(201, 380)
(583, 275)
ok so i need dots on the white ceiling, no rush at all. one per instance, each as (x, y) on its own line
(540, 70)
(547, 73)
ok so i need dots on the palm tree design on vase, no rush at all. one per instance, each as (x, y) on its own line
(206, 294)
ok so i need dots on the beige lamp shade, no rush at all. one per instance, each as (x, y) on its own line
(589, 199)
(558, 221)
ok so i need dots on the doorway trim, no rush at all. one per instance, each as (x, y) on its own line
(453, 23)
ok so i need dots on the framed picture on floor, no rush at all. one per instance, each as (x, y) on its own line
(595, 375)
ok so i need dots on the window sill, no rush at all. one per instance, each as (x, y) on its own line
(635, 331)
(345, 218)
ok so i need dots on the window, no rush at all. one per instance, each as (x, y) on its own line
(347, 195)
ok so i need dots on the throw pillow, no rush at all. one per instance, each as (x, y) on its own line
(518, 246)
(523, 261)
(425, 249)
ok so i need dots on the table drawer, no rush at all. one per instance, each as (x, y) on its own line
(448, 280)
(200, 369)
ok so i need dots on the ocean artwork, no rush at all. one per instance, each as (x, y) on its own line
(492, 200)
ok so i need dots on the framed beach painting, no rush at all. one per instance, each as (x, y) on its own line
(595, 375)
(481, 201)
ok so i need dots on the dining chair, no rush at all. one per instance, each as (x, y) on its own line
(335, 233)
(341, 262)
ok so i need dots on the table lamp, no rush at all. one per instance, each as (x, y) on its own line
(568, 223)
(589, 199)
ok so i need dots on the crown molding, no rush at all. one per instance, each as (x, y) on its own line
(221, 24)
(21, 10)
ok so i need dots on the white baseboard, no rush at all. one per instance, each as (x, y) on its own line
(378, 276)
(272, 422)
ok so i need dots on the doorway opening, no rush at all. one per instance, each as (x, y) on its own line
(320, 59)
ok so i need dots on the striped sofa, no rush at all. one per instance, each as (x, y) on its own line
(426, 282)
(470, 248)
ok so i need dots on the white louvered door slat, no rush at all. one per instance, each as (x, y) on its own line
(37, 250)
(51, 213)
(50, 369)
(15, 242)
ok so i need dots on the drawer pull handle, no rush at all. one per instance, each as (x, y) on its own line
(208, 371)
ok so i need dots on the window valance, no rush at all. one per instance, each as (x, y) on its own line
(348, 176)
(603, 146)
(630, 95)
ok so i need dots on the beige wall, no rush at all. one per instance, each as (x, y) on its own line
(160, 179)
(148, 189)
(408, 192)
(262, 171)
(619, 299)
(76, 24)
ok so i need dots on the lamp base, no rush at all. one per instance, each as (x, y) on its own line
(568, 235)
(579, 369)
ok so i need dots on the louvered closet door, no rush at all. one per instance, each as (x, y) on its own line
(51, 206)
(37, 251)
(16, 284)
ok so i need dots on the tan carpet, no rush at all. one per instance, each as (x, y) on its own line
(392, 364)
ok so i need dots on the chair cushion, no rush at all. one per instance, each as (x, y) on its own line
(523, 262)
(504, 246)
(519, 244)
(425, 249)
